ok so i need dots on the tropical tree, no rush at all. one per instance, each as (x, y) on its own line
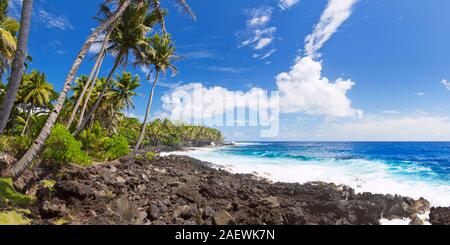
(8, 43)
(127, 38)
(160, 60)
(123, 91)
(35, 93)
(90, 81)
(18, 168)
(18, 64)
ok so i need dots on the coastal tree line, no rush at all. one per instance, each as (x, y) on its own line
(86, 120)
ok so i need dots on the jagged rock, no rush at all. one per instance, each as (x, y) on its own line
(440, 216)
(421, 206)
(415, 220)
(67, 189)
(192, 192)
(271, 202)
(55, 208)
(154, 212)
(188, 193)
(222, 217)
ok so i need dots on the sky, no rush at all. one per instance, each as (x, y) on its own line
(345, 70)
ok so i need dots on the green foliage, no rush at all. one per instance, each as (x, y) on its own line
(8, 195)
(102, 147)
(150, 155)
(63, 148)
(49, 184)
(15, 145)
(130, 128)
(166, 133)
(116, 147)
(13, 218)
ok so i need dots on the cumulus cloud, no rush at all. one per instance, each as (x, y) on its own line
(304, 89)
(194, 101)
(286, 4)
(336, 12)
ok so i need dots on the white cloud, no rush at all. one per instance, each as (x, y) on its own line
(259, 17)
(304, 89)
(193, 101)
(286, 4)
(53, 20)
(417, 127)
(264, 56)
(446, 83)
(41, 15)
(336, 12)
(419, 93)
(257, 33)
(194, 55)
(262, 43)
(228, 69)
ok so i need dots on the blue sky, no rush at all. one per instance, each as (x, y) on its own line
(392, 56)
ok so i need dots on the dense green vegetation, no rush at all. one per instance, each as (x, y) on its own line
(86, 122)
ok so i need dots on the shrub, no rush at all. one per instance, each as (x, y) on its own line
(116, 147)
(15, 145)
(101, 147)
(150, 155)
(63, 148)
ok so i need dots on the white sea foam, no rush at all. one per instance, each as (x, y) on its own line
(362, 175)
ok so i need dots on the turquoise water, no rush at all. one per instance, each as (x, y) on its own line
(416, 169)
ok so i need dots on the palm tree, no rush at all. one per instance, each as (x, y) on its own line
(18, 168)
(123, 92)
(127, 37)
(161, 60)
(35, 93)
(18, 65)
(92, 78)
(8, 43)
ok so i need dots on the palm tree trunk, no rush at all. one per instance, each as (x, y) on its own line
(100, 97)
(96, 67)
(141, 136)
(88, 96)
(26, 122)
(18, 65)
(17, 169)
(111, 121)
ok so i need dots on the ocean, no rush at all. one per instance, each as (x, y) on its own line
(415, 169)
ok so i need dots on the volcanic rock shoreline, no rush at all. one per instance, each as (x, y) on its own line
(185, 191)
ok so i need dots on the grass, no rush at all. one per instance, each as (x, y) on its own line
(8, 195)
(13, 218)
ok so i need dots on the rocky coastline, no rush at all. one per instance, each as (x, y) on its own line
(185, 191)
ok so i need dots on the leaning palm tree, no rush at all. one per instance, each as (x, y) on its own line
(35, 93)
(90, 82)
(161, 60)
(17, 169)
(18, 65)
(127, 38)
